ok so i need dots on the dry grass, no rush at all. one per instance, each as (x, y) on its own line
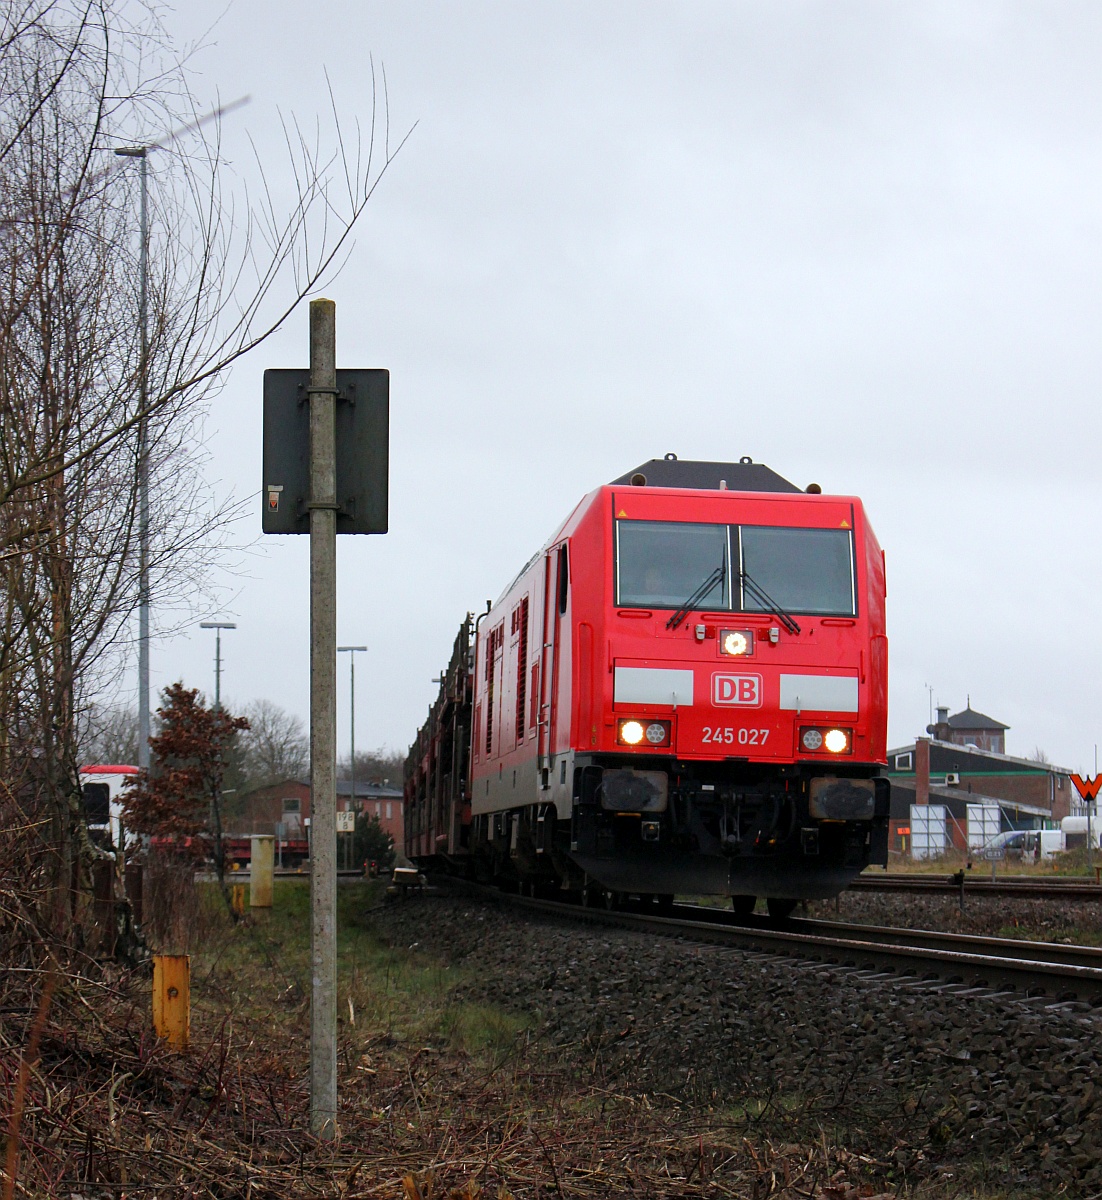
(438, 1099)
(1069, 863)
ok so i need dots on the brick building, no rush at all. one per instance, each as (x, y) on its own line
(962, 762)
(288, 804)
(260, 811)
(969, 728)
(377, 800)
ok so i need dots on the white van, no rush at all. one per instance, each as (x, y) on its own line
(1074, 830)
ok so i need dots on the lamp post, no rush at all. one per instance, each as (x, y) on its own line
(352, 652)
(217, 626)
(141, 153)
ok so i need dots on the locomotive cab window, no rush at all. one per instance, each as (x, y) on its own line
(660, 564)
(802, 570)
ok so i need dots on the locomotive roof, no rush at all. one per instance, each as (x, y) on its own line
(742, 476)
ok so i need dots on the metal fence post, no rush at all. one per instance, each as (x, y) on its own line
(172, 998)
(323, 719)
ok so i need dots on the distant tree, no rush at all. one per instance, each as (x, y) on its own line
(181, 795)
(372, 843)
(275, 747)
(1039, 756)
(110, 735)
(376, 766)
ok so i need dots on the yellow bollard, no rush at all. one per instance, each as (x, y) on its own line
(237, 899)
(261, 871)
(172, 998)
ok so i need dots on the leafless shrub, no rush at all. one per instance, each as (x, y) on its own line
(172, 913)
(275, 747)
(83, 405)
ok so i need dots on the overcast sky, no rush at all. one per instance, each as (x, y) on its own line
(856, 241)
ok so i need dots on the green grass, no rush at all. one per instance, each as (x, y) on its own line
(382, 991)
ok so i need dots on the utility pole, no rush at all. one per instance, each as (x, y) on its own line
(217, 626)
(299, 495)
(1090, 832)
(323, 718)
(352, 652)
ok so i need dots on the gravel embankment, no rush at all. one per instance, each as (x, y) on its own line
(928, 1082)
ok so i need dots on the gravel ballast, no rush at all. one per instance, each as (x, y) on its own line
(976, 1087)
(994, 916)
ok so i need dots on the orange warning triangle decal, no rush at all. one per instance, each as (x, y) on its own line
(621, 513)
(844, 525)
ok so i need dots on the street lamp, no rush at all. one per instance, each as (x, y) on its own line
(141, 153)
(217, 626)
(352, 652)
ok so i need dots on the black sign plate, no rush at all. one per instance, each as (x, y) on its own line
(363, 451)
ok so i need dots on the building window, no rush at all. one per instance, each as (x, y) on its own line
(292, 805)
(904, 762)
(388, 810)
(378, 809)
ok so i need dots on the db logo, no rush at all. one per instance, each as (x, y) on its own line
(742, 690)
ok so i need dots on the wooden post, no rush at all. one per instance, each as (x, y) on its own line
(261, 869)
(172, 998)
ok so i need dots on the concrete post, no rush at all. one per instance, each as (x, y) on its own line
(261, 870)
(323, 719)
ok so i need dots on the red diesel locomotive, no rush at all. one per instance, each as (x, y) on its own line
(684, 691)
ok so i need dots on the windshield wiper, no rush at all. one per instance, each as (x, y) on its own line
(758, 593)
(717, 576)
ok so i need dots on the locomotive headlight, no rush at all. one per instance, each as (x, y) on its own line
(631, 733)
(736, 642)
(827, 738)
(836, 741)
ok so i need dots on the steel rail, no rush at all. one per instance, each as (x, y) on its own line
(921, 958)
(1021, 885)
(933, 939)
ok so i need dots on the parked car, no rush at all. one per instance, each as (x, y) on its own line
(1025, 844)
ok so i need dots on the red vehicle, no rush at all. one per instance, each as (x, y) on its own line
(684, 691)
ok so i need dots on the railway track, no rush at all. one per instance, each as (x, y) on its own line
(976, 884)
(921, 959)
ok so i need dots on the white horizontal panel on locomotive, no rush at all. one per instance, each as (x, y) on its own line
(684, 691)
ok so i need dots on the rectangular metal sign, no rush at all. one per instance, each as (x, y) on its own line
(363, 451)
